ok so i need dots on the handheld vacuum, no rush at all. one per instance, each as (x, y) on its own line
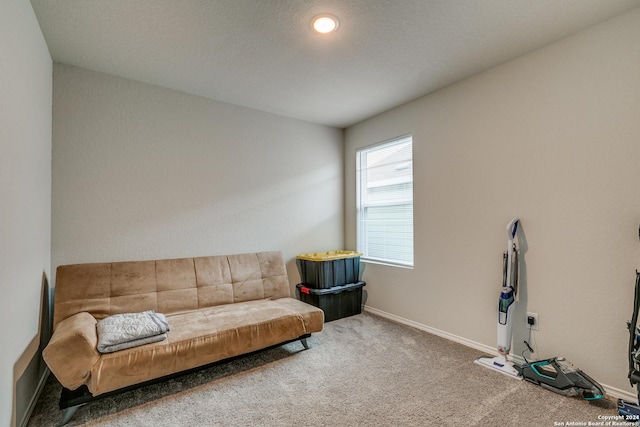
(560, 376)
(555, 374)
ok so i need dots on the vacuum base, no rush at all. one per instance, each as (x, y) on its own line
(630, 411)
(499, 364)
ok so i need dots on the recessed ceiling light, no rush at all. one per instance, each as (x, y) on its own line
(325, 23)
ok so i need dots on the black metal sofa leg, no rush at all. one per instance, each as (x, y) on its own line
(69, 413)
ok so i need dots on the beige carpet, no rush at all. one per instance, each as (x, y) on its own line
(360, 371)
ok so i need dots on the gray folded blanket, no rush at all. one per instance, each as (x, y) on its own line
(127, 330)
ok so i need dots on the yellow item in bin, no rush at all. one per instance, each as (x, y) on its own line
(328, 255)
(323, 270)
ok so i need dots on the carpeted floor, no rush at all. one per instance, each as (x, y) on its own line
(362, 370)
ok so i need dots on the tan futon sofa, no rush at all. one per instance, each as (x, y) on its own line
(217, 307)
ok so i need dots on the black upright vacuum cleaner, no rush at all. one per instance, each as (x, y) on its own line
(624, 407)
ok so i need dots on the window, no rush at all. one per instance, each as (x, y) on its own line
(385, 201)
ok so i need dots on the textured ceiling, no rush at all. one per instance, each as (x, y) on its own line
(262, 54)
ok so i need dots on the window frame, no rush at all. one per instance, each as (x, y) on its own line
(362, 204)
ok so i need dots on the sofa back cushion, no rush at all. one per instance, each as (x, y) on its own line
(168, 286)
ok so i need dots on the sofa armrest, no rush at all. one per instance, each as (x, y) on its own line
(72, 352)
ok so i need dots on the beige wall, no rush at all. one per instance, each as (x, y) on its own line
(142, 172)
(554, 138)
(25, 188)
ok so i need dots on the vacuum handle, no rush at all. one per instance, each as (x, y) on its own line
(512, 228)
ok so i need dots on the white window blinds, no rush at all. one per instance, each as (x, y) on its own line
(385, 201)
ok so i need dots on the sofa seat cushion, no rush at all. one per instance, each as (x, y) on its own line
(205, 336)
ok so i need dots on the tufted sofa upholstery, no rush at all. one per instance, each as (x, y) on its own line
(217, 307)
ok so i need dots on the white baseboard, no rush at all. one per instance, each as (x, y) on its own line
(620, 394)
(464, 341)
(611, 391)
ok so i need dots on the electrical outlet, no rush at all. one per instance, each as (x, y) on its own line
(532, 321)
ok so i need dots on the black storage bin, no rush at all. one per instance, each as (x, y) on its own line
(336, 302)
(325, 270)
